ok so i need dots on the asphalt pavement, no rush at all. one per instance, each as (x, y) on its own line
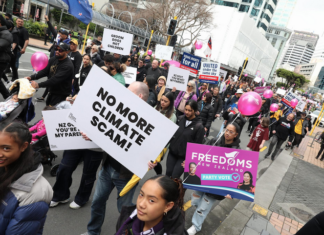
(62, 219)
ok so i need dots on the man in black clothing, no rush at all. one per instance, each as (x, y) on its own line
(60, 72)
(217, 103)
(141, 71)
(5, 52)
(107, 60)
(47, 34)
(117, 57)
(75, 58)
(283, 128)
(154, 70)
(23, 39)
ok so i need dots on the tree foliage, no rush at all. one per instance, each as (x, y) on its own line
(292, 78)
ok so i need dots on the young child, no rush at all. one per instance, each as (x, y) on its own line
(8, 106)
(259, 136)
(39, 129)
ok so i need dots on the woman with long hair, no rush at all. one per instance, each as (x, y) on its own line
(205, 112)
(134, 61)
(24, 193)
(85, 70)
(184, 96)
(158, 209)
(247, 184)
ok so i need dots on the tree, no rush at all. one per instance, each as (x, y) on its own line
(292, 78)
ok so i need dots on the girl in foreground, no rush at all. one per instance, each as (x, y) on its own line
(158, 210)
(24, 193)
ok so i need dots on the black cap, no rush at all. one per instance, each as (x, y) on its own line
(3, 21)
(63, 46)
(10, 24)
(303, 113)
(8, 14)
(62, 31)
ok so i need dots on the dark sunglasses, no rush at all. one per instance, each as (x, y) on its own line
(128, 60)
(111, 68)
(189, 86)
(59, 50)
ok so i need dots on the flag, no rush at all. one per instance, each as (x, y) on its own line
(81, 9)
(208, 50)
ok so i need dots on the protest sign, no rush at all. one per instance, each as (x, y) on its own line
(221, 171)
(119, 122)
(190, 62)
(261, 89)
(117, 42)
(209, 72)
(301, 105)
(281, 91)
(130, 75)
(257, 79)
(63, 135)
(177, 78)
(163, 52)
(235, 78)
(222, 73)
(286, 100)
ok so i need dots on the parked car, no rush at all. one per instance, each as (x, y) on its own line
(314, 116)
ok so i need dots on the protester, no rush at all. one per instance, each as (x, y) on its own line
(47, 35)
(60, 72)
(158, 209)
(204, 201)
(149, 80)
(203, 89)
(205, 112)
(85, 70)
(23, 39)
(221, 85)
(112, 174)
(95, 57)
(183, 97)
(190, 130)
(80, 39)
(15, 48)
(154, 70)
(217, 103)
(147, 62)
(274, 117)
(233, 99)
(229, 91)
(25, 194)
(75, 57)
(283, 128)
(165, 70)
(115, 70)
(134, 59)
(107, 60)
(141, 71)
(260, 135)
(6, 40)
(117, 57)
(301, 129)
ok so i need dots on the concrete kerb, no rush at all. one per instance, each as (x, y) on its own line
(266, 188)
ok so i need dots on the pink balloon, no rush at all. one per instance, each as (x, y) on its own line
(149, 52)
(39, 60)
(198, 45)
(267, 94)
(294, 102)
(245, 75)
(249, 103)
(274, 107)
(172, 63)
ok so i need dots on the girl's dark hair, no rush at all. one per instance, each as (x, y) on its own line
(209, 97)
(125, 58)
(49, 108)
(172, 189)
(193, 104)
(237, 127)
(150, 79)
(251, 180)
(119, 68)
(24, 164)
(170, 108)
(90, 62)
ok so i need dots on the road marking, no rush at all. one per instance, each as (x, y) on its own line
(260, 210)
(264, 148)
(30, 70)
(187, 205)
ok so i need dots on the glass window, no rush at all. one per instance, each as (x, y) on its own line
(270, 30)
(244, 8)
(254, 12)
(285, 35)
(248, 1)
(277, 32)
(275, 2)
(267, 37)
(266, 17)
(258, 3)
(226, 3)
(264, 26)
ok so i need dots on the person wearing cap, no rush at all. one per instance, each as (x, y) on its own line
(233, 99)
(5, 52)
(301, 129)
(75, 57)
(64, 37)
(60, 72)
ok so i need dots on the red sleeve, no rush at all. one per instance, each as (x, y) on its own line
(266, 134)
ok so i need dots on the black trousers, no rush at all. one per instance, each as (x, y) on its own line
(275, 141)
(3, 90)
(53, 100)
(314, 227)
(320, 152)
(45, 93)
(174, 168)
(255, 123)
(45, 40)
(298, 139)
(272, 120)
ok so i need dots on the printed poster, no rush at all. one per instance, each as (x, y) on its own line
(190, 62)
(177, 78)
(209, 72)
(117, 41)
(130, 75)
(261, 89)
(221, 171)
(163, 52)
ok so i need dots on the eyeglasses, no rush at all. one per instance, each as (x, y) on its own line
(59, 50)
(231, 132)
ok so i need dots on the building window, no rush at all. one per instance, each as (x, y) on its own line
(275, 2)
(285, 35)
(248, 1)
(270, 8)
(277, 32)
(258, 3)
(266, 17)
(226, 3)
(254, 12)
(267, 37)
(274, 41)
(244, 8)
(264, 27)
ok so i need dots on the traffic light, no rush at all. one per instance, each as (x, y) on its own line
(239, 71)
(173, 40)
(172, 27)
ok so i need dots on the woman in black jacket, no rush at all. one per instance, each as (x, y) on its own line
(85, 70)
(205, 112)
(228, 140)
(190, 130)
(158, 209)
(216, 102)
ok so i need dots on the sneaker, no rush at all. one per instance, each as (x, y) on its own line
(73, 205)
(54, 204)
(39, 99)
(192, 230)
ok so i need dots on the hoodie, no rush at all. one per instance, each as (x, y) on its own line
(285, 128)
(192, 133)
(173, 222)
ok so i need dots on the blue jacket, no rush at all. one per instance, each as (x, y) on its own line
(23, 210)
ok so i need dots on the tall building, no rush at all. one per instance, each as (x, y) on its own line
(310, 70)
(283, 12)
(301, 48)
(260, 10)
(319, 50)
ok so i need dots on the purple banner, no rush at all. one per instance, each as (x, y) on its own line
(221, 171)
(261, 89)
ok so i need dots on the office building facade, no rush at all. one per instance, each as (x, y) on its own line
(283, 13)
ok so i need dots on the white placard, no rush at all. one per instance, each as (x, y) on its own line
(235, 78)
(117, 42)
(301, 105)
(121, 123)
(130, 75)
(63, 135)
(163, 52)
(257, 79)
(222, 73)
(177, 78)
(281, 91)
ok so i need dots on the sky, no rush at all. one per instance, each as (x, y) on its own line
(308, 15)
